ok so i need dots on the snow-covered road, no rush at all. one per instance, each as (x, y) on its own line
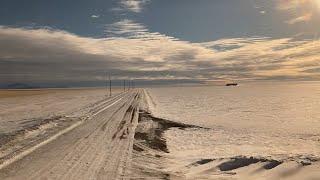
(97, 148)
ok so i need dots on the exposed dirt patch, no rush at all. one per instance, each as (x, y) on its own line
(150, 130)
(239, 162)
(272, 164)
(150, 148)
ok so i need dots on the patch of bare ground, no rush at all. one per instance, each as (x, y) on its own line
(150, 149)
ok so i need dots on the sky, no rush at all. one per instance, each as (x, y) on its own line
(173, 41)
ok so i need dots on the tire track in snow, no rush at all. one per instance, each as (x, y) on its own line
(54, 137)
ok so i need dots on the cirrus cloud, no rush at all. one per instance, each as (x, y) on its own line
(133, 5)
(304, 18)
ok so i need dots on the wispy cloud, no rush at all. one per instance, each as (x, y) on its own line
(133, 5)
(290, 4)
(303, 9)
(303, 18)
(131, 50)
(132, 30)
(125, 28)
(95, 16)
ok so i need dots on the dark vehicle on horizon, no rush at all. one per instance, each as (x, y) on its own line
(232, 84)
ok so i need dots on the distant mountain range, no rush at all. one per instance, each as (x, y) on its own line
(19, 86)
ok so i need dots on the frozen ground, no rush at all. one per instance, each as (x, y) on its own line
(98, 146)
(247, 126)
(241, 132)
(26, 107)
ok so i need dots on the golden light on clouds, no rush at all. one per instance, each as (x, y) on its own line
(317, 3)
(301, 10)
(303, 18)
(156, 56)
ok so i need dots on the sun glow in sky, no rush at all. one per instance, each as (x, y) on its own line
(317, 3)
(300, 6)
(159, 40)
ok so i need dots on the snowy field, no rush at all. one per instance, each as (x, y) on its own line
(267, 121)
(19, 108)
(254, 131)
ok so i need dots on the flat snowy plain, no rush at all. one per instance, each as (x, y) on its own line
(247, 128)
(254, 131)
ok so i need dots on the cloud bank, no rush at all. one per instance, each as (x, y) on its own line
(131, 51)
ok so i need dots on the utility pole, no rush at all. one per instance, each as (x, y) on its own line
(128, 85)
(107, 80)
(124, 85)
(110, 87)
